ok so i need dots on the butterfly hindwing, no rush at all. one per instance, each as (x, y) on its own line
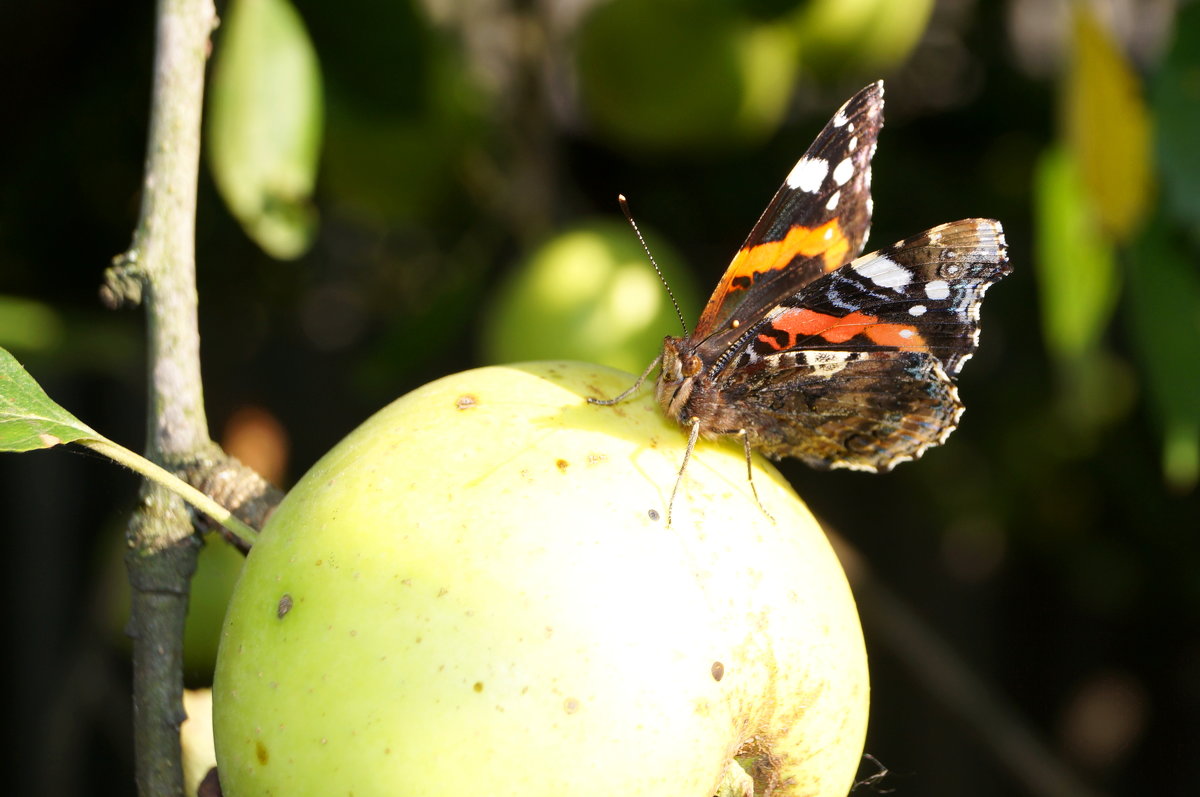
(920, 294)
(861, 410)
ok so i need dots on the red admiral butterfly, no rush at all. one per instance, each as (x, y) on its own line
(806, 352)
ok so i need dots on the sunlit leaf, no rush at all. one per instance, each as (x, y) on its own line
(265, 123)
(1108, 127)
(1176, 100)
(1076, 268)
(1164, 286)
(29, 419)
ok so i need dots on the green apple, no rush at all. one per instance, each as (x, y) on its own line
(589, 293)
(859, 37)
(476, 593)
(665, 75)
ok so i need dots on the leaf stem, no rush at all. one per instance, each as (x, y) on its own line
(146, 468)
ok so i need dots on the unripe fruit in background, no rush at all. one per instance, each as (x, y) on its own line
(588, 293)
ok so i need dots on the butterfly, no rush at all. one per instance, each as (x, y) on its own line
(807, 350)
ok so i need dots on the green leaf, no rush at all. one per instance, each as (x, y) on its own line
(1076, 268)
(1175, 95)
(265, 123)
(1108, 127)
(1164, 287)
(29, 419)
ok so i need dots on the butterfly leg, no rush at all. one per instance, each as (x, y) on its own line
(693, 436)
(750, 474)
(630, 391)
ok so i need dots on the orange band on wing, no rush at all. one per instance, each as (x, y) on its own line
(801, 323)
(827, 240)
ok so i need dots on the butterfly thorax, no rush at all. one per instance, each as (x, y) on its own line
(685, 390)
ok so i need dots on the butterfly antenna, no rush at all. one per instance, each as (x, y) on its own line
(629, 217)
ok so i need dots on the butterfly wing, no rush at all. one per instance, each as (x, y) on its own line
(854, 370)
(859, 410)
(817, 221)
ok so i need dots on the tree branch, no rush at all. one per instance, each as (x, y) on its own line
(159, 268)
(238, 488)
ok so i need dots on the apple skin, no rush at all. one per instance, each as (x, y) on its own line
(475, 592)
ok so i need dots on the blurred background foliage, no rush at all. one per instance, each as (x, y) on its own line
(397, 190)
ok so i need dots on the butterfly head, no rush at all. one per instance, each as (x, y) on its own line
(680, 367)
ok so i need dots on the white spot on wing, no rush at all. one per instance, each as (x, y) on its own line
(937, 289)
(883, 272)
(843, 172)
(808, 174)
(824, 363)
(833, 201)
(917, 310)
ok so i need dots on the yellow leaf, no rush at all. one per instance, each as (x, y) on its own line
(1108, 127)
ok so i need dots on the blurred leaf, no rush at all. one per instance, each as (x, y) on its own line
(767, 54)
(56, 341)
(29, 419)
(1076, 268)
(1108, 127)
(1164, 288)
(29, 324)
(265, 123)
(1176, 100)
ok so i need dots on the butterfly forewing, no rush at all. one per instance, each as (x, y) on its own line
(817, 221)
